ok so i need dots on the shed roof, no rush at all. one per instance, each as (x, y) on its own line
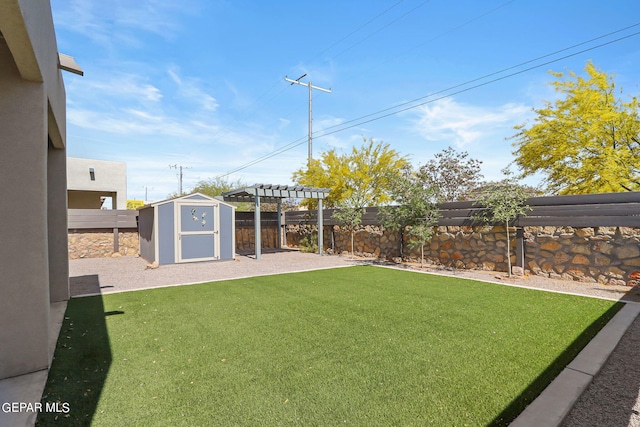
(270, 193)
(194, 197)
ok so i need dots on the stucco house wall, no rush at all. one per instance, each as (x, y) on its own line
(88, 180)
(33, 256)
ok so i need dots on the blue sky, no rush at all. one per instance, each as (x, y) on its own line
(200, 83)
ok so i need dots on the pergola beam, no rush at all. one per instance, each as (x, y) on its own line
(269, 193)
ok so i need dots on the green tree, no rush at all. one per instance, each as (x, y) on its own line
(588, 141)
(362, 176)
(502, 202)
(414, 213)
(349, 217)
(452, 174)
(216, 186)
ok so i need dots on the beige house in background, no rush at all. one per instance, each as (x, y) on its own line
(34, 269)
(89, 181)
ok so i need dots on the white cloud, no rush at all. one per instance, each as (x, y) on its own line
(336, 140)
(121, 86)
(283, 123)
(115, 22)
(191, 89)
(174, 76)
(463, 124)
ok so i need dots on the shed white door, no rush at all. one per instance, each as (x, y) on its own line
(198, 235)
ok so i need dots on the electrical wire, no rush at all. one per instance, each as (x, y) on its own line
(252, 109)
(323, 132)
(497, 72)
(357, 29)
(474, 87)
(379, 30)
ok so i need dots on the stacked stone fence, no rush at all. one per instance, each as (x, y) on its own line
(100, 243)
(245, 231)
(95, 233)
(589, 238)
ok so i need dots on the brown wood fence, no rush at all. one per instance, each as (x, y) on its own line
(589, 210)
(83, 219)
(246, 219)
(100, 219)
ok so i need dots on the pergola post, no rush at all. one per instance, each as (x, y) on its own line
(320, 239)
(257, 224)
(279, 235)
(275, 194)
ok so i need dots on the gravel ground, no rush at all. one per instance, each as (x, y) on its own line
(611, 400)
(109, 275)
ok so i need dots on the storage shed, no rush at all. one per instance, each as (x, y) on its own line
(187, 229)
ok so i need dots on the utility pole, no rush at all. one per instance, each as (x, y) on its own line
(180, 176)
(311, 87)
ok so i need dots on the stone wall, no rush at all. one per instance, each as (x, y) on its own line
(608, 255)
(246, 238)
(99, 243)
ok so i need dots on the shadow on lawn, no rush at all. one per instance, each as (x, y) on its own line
(81, 363)
(539, 384)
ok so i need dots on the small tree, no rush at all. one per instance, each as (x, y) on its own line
(452, 174)
(415, 210)
(421, 234)
(502, 202)
(350, 218)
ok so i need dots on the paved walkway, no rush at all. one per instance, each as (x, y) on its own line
(611, 399)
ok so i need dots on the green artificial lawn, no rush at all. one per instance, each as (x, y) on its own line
(360, 346)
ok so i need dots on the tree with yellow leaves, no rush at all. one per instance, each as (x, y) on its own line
(588, 141)
(361, 176)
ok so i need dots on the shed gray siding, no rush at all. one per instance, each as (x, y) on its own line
(198, 246)
(147, 235)
(166, 245)
(227, 231)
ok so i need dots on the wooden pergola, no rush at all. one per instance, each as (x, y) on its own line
(269, 193)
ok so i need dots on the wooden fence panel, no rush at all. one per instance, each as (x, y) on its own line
(98, 218)
(589, 210)
(246, 219)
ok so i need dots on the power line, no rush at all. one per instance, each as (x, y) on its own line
(323, 132)
(379, 29)
(252, 109)
(310, 87)
(502, 71)
(476, 18)
(475, 86)
(179, 176)
(280, 150)
(358, 29)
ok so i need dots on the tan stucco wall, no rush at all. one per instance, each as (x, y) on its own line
(110, 179)
(27, 27)
(57, 225)
(87, 199)
(32, 171)
(25, 272)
